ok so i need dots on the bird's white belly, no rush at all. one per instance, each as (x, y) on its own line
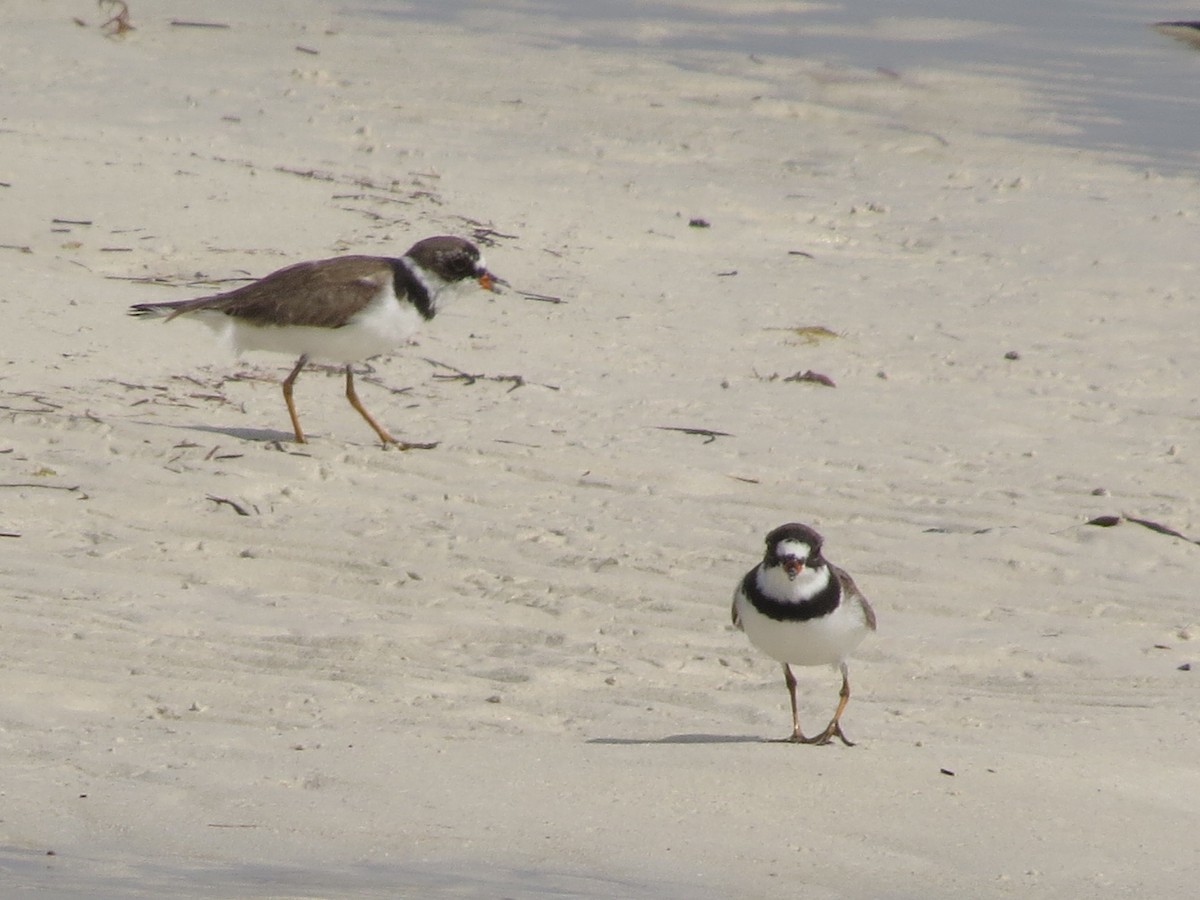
(816, 642)
(381, 327)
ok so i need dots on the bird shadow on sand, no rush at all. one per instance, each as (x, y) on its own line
(258, 435)
(684, 739)
(285, 440)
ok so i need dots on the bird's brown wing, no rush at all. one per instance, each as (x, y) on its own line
(324, 293)
(851, 593)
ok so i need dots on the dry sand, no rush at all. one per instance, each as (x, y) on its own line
(504, 667)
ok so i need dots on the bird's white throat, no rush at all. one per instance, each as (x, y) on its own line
(774, 582)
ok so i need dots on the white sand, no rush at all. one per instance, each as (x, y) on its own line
(504, 666)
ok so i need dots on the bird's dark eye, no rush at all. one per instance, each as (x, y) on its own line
(459, 267)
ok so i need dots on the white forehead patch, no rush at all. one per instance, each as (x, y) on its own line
(796, 549)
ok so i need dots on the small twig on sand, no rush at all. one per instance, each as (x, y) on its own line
(1110, 521)
(33, 484)
(809, 375)
(485, 234)
(810, 334)
(705, 433)
(814, 377)
(178, 23)
(467, 378)
(215, 453)
(179, 280)
(237, 507)
(46, 404)
(541, 298)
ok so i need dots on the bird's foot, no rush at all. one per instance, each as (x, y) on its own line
(832, 730)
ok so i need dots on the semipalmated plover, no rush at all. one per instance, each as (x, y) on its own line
(802, 610)
(340, 310)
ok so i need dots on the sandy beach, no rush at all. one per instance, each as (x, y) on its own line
(235, 666)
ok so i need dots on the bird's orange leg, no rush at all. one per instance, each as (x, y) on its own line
(834, 728)
(287, 397)
(352, 396)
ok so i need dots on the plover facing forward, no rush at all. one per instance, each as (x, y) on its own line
(802, 610)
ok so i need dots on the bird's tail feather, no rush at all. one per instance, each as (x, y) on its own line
(154, 310)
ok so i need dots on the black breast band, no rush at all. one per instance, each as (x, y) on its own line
(782, 611)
